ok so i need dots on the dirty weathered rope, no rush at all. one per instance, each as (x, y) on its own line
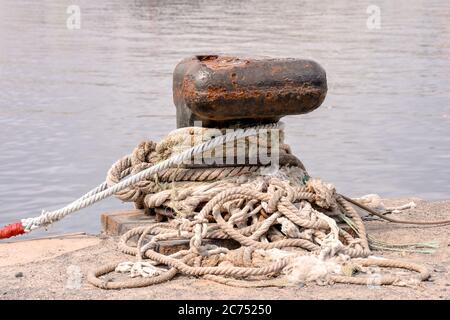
(103, 190)
(384, 217)
(279, 222)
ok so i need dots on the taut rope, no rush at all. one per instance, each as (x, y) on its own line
(103, 191)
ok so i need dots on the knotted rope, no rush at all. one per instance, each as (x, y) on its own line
(262, 211)
(279, 217)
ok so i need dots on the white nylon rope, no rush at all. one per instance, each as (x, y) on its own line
(102, 191)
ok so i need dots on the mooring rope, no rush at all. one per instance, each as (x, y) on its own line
(101, 192)
(254, 257)
(287, 226)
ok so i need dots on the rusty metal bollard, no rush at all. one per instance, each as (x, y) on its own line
(224, 91)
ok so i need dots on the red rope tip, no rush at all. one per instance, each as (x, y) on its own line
(11, 230)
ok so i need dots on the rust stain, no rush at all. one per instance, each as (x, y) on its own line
(270, 94)
(215, 62)
(240, 88)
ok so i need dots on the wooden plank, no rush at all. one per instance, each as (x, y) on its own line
(119, 222)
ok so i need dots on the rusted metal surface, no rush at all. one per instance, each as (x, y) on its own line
(224, 90)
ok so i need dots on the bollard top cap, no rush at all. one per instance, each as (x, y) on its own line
(222, 90)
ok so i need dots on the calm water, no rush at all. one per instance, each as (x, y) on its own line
(73, 101)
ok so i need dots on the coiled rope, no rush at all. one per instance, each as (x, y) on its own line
(281, 220)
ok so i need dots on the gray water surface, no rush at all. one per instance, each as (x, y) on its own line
(74, 101)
